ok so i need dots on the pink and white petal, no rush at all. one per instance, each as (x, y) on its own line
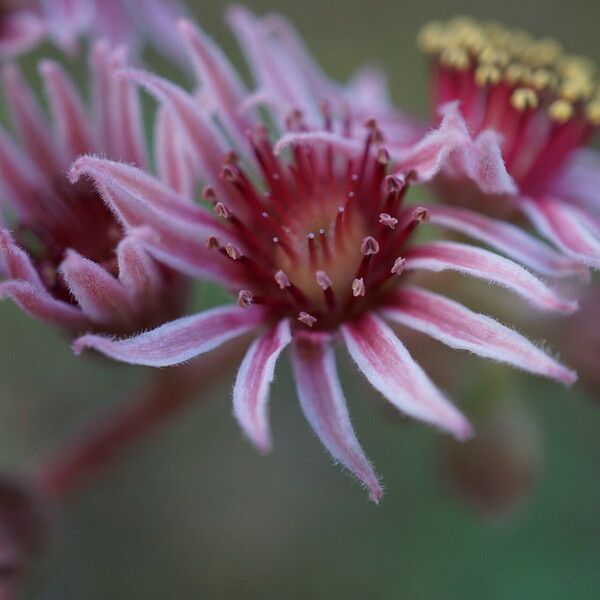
(28, 121)
(343, 144)
(508, 239)
(460, 328)
(481, 161)
(220, 83)
(324, 406)
(429, 155)
(171, 153)
(390, 369)
(251, 390)
(144, 188)
(139, 275)
(482, 264)
(563, 226)
(127, 140)
(101, 297)
(39, 304)
(15, 263)
(158, 23)
(206, 140)
(113, 23)
(73, 130)
(179, 340)
(67, 20)
(20, 31)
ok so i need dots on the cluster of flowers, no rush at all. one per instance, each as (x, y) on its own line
(304, 215)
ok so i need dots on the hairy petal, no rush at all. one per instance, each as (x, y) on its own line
(482, 264)
(508, 239)
(28, 121)
(460, 328)
(101, 297)
(15, 263)
(38, 303)
(68, 113)
(390, 369)
(324, 406)
(179, 340)
(565, 228)
(251, 391)
(138, 273)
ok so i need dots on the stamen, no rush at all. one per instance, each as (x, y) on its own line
(388, 220)
(358, 287)
(398, 267)
(212, 243)
(245, 298)
(307, 319)
(233, 252)
(324, 283)
(369, 246)
(222, 211)
(282, 280)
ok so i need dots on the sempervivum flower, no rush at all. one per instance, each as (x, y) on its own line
(64, 256)
(24, 23)
(526, 110)
(316, 241)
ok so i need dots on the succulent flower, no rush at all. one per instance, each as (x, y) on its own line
(24, 23)
(315, 239)
(523, 111)
(65, 257)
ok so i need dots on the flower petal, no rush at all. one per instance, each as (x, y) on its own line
(101, 297)
(251, 391)
(458, 327)
(324, 406)
(27, 120)
(138, 273)
(508, 239)
(179, 340)
(15, 263)
(388, 366)
(482, 264)
(563, 226)
(38, 303)
(68, 113)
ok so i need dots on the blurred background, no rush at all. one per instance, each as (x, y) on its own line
(195, 512)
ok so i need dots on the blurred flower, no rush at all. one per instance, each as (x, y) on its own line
(524, 110)
(24, 23)
(497, 470)
(67, 259)
(314, 237)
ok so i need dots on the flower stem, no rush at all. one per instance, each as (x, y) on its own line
(167, 392)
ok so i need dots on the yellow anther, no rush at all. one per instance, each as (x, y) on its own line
(592, 112)
(576, 89)
(561, 111)
(455, 58)
(432, 38)
(487, 75)
(494, 56)
(515, 73)
(524, 99)
(541, 79)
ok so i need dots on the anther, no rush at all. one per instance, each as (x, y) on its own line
(358, 287)
(383, 156)
(388, 220)
(282, 280)
(307, 319)
(592, 112)
(323, 280)
(208, 193)
(561, 111)
(523, 99)
(212, 243)
(222, 211)
(393, 184)
(233, 252)
(487, 75)
(369, 246)
(398, 267)
(245, 298)
(421, 214)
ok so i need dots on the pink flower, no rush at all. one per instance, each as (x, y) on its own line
(314, 238)
(24, 23)
(525, 110)
(64, 255)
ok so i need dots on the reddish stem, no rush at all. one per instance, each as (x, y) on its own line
(168, 391)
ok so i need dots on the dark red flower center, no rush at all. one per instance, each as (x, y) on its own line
(317, 235)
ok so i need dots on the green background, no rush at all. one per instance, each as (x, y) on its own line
(194, 512)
